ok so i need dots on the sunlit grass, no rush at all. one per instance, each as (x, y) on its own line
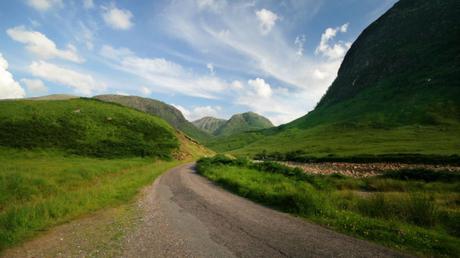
(344, 141)
(42, 189)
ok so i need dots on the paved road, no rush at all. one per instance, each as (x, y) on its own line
(185, 215)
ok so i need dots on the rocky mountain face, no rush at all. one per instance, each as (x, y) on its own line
(209, 124)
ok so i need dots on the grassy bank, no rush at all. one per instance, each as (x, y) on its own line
(42, 189)
(344, 140)
(407, 212)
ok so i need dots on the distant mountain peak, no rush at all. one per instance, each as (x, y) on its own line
(242, 122)
(209, 124)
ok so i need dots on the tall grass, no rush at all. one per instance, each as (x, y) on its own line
(42, 189)
(415, 208)
(408, 214)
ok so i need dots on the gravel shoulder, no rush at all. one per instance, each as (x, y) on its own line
(100, 234)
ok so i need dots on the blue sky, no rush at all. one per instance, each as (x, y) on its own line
(206, 57)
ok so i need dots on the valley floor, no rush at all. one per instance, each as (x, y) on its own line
(184, 215)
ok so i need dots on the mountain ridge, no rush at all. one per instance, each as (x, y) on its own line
(158, 108)
(209, 124)
(248, 121)
(241, 122)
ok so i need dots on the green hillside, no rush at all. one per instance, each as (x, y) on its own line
(248, 121)
(397, 91)
(392, 77)
(84, 127)
(169, 113)
(64, 159)
(209, 124)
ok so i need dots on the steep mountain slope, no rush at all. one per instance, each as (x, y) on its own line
(84, 127)
(209, 124)
(248, 121)
(169, 113)
(397, 91)
(403, 69)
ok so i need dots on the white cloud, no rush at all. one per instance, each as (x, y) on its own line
(237, 85)
(198, 112)
(166, 75)
(38, 44)
(35, 87)
(145, 91)
(159, 66)
(267, 20)
(261, 88)
(183, 110)
(118, 19)
(214, 5)
(115, 54)
(34, 23)
(235, 42)
(88, 4)
(86, 36)
(344, 27)
(210, 68)
(202, 111)
(122, 93)
(9, 88)
(277, 104)
(44, 5)
(231, 39)
(299, 42)
(281, 107)
(337, 50)
(82, 83)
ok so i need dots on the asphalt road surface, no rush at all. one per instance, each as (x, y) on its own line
(185, 215)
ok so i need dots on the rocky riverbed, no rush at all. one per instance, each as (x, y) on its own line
(363, 169)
